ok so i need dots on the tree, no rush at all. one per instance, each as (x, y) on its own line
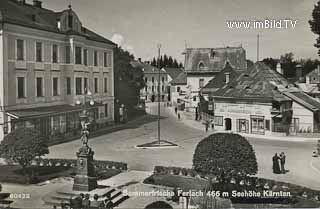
(271, 62)
(159, 204)
(22, 146)
(288, 65)
(127, 81)
(170, 61)
(180, 65)
(165, 61)
(225, 155)
(175, 63)
(315, 24)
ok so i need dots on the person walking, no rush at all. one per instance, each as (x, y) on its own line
(282, 162)
(179, 117)
(176, 110)
(206, 124)
(275, 164)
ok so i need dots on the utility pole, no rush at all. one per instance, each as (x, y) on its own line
(159, 47)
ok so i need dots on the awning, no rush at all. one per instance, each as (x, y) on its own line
(47, 111)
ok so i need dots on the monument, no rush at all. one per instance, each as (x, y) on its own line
(85, 179)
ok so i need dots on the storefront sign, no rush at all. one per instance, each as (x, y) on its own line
(240, 109)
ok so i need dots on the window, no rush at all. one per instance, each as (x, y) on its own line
(21, 87)
(39, 84)
(242, 125)
(85, 85)
(201, 66)
(85, 57)
(105, 87)
(38, 52)
(20, 49)
(55, 53)
(70, 21)
(68, 50)
(218, 120)
(105, 59)
(78, 86)
(194, 98)
(268, 125)
(178, 88)
(78, 55)
(106, 110)
(152, 79)
(257, 124)
(146, 80)
(162, 79)
(201, 82)
(162, 88)
(55, 86)
(95, 85)
(68, 80)
(152, 88)
(95, 58)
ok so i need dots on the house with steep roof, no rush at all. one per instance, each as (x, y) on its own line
(49, 61)
(262, 101)
(203, 64)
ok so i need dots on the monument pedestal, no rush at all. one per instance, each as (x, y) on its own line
(85, 179)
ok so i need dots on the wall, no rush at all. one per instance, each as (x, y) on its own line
(305, 117)
(30, 69)
(175, 95)
(236, 111)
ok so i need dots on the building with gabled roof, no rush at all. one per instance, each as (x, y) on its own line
(203, 64)
(49, 61)
(262, 101)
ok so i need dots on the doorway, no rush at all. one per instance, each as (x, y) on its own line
(228, 124)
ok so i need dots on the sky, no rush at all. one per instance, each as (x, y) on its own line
(140, 25)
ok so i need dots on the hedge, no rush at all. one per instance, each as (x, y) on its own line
(101, 164)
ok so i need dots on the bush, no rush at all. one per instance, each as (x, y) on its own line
(225, 155)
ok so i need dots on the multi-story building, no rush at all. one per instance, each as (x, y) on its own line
(48, 62)
(151, 78)
(203, 64)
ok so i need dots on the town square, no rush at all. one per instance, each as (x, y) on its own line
(142, 104)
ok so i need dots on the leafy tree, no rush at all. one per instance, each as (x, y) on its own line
(315, 24)
(288, 65)
(127, 81)
(159, 204)
(225, 155)
(175, 63)
(170, 61)
(22, 146)
(271, 62)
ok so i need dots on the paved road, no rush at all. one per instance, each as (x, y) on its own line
(120, 146)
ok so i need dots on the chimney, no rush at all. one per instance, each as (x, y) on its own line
(227, 77)
(279, 69)
(37, 3)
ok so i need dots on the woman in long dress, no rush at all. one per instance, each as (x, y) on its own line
(276, 166)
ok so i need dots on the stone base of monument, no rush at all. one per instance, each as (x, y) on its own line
(157, 144)
(64, 194)
(84, 183)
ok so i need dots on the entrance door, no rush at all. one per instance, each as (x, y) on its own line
(228, 124)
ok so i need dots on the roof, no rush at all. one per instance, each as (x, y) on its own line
(310, 88)
(214, 59)
(181, 79)
(315, 72)
(220, 79)
(45, 111)
(303, 99)
(260, 82)
(24, 14)
(173, 72)
(146, 68)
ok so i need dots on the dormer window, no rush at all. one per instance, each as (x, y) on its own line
(201, 66)
(70, 21)
(59, 24)
(212, 54)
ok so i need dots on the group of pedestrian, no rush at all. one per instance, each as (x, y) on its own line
(278, 162)
(83, 202)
